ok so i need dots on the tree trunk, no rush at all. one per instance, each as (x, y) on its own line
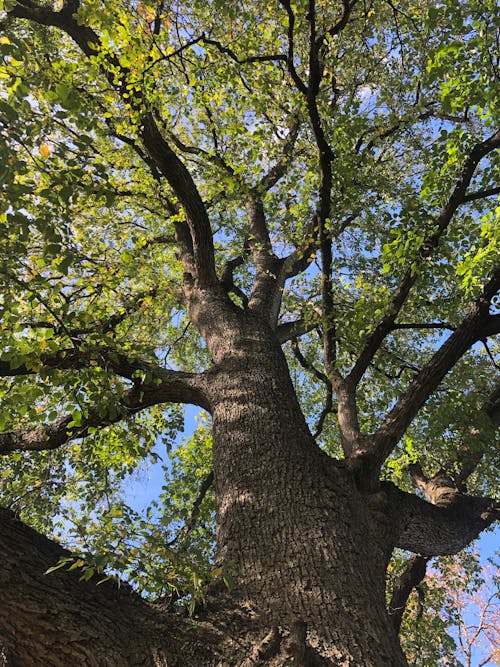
(306, 550)
(293, 531)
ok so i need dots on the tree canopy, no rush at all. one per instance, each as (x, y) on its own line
(331, 166)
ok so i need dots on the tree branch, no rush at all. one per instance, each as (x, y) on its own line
(108, 620)
(167, 162)
(339, 26)
(195, 510)
(290, 330)
(290, 60)
(227, 279)
(409, 579)
(159, 386)
(450, 479)
(104, 325)
(270, 271)
(442, 221)
(277, 172)
(176, 387)
(481, 194)
(406, 408)
(181, 181)
(430, 530)
(422, 325)
(262, 58)
(107, 358)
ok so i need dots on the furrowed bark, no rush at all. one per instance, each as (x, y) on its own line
(252, 388)
(56, 619)
(299, 535)
(431, 530)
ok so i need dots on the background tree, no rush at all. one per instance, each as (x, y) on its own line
(451, 617)
(284, 214)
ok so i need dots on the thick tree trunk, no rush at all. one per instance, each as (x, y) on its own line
(306, 550)
(296, 535)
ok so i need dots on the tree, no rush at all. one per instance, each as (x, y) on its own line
(280, 212)
(451, 618)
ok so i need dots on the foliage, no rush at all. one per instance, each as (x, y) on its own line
(453, 617)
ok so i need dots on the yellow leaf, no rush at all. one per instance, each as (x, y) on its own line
(44, 150)
(4, 40)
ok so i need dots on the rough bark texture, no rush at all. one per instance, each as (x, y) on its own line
(305, 538)
(306, 546)
(291, 524)
(56, 619)
(307, 551)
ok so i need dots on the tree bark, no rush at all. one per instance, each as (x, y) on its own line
(56, 619)
(306, 547)
(303, 545)
(306, 550)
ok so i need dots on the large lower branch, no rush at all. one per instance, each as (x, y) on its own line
(56, 619)
(429, 530)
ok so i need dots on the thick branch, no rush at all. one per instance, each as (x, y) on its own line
(167, 162)
(259, 242)
(227, 279)
(339, 26)
(470, 330)
(290, 330)
(270, 272)
(184, 187)
(98, 624)
(301, 258)
(451, 479)
(402, 414)
(52, 436)
(430, 530)
(412, 576)
(442, 221)
(112, 360)
(440, 490)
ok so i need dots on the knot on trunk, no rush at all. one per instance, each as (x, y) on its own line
(441, 489)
